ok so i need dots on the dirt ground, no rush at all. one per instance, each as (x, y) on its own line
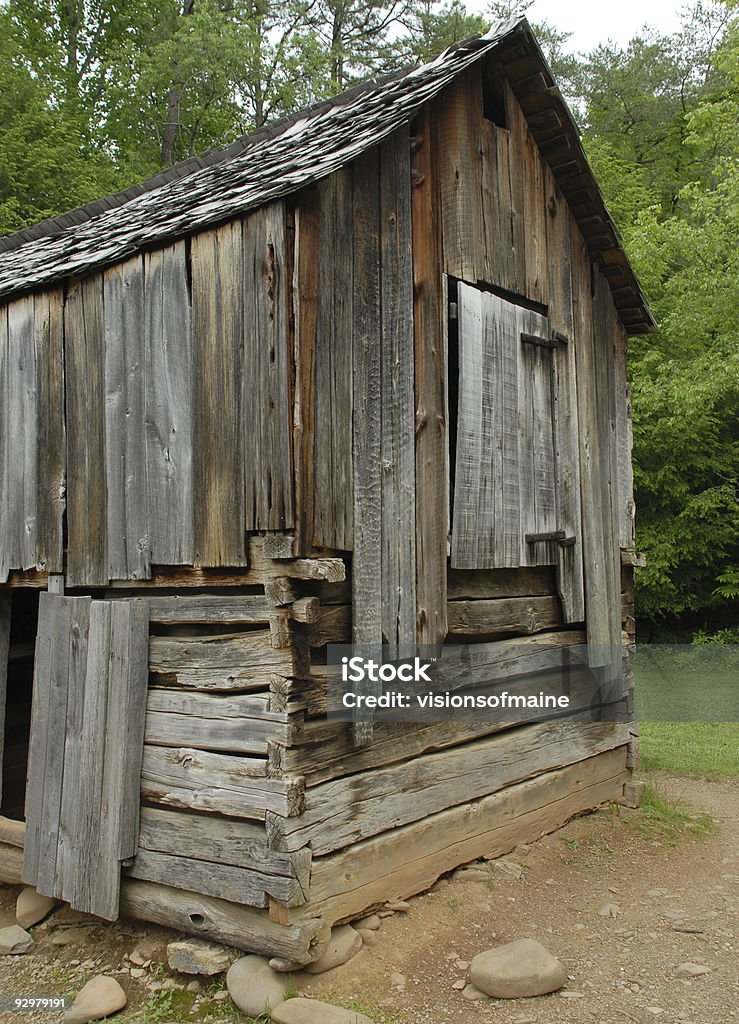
(665, 898)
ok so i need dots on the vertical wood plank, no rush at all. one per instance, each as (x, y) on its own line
(592, 466)
(218, 427)
(266, 402)
(398, 435)
(51, 483)
(38, 745)
(87, 557)
(367, 418)
(5, 612)
(458, 113)
(169, 401)
(564, 396)
(429, 314)
(6, 553)
(512, 153)
(21, 469)
(333, 478)
(468, 464)
(305, 302)
(533, 222)
(125, 442)
(624, 441)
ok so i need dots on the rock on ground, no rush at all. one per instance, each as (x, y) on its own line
(345, 943)
(31, 907)
(371, 923)
(99, 998)
(14, 940)
(195, 956)
(473, 994)
(311, 1011)
(368, 938)
(690, 970)
(254, 986)
(517, 970)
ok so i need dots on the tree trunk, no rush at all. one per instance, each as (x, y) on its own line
(172, 120)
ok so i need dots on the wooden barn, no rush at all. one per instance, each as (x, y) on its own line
(359, 376)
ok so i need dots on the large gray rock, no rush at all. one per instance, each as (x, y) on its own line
(15, 940)
(311, 1011)
(31, 907)
(345, 943)
(99, 998)
(195, 956)
(517, 970)
(254, 986)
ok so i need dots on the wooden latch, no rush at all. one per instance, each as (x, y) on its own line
(559, 536)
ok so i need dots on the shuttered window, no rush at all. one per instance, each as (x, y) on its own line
(516, 500)
(87, 734)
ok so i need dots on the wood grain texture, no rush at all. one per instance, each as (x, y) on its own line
(218, 427)
(432, 457)
(232, 661)
(267, 424)
(397, 375)
(6, 552)
(564, 395)
(84, 345)
(332, 453)
(242, 927)
(504, 615)
(125, 403)
(19, 529)
(367, 569)
(305, 304)
(51, 431)
(169, 406)
(346, 811)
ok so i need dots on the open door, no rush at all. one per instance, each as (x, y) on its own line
(86, 746)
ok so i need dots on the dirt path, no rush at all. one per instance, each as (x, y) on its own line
(674, 897)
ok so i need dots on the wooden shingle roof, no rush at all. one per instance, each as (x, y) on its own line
(309, 145)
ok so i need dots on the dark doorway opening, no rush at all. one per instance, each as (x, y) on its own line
(19, 691)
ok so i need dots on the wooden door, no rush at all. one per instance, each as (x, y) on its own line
(87, 734)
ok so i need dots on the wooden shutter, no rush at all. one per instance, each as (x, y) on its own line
(515, 500)
(87, 733)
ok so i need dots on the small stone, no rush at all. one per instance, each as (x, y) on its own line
(472, 875)
(31, 907)
(155, 986)
(100, 997)
(87, 965)
(673, 914)
(517, 970)
(397, 981)
(170, 985)
(571, 995)
(312, 1011)
(656, 1011)
(460, 985)
(462, 965)
(399, 905)
(221, 996)
(137, 972)
(195, 956)
(371, 923)
(386, 913)
(690, 970)
(510, 867)
(656, 892)
(193, 986)
(523, 1020)
(254, 986)
(14, 940)
(281, 966)
(136, 958)
(473, 993)
(344, 943)
(368, 938)
(147, 949)
(609, 910)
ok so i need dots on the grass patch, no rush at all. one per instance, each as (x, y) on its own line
(708, 750)
(668, 819)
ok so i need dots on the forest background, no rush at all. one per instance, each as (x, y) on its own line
(98, 94)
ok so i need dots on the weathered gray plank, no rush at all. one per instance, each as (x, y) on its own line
(564, 395)
(169, 406)
(6, 554)
(84, 338)
(466, 528)
(524, 582)
(333, 525)
(203, 608)
(239, 885)
(367, 418)
(346, 811)
(218, 427)
(5, 611)
(504, 615)
(268, 473)
(125, 445)
(21, 467)
(51, 430)
(202, 781)
(397, 371)
(305, 304)
(236, 660)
